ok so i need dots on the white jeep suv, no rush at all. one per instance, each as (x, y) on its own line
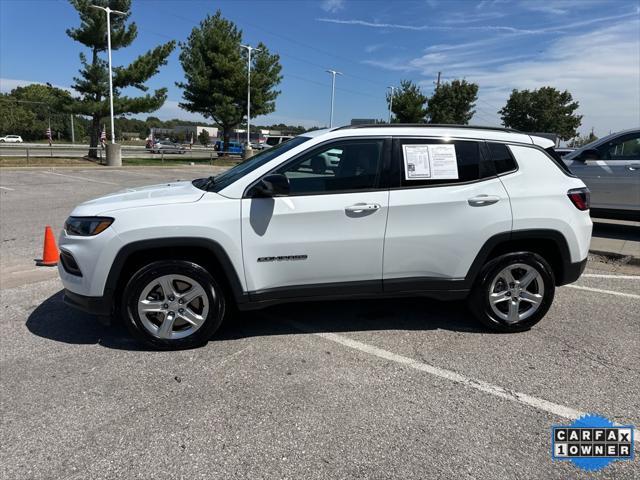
(446, 212)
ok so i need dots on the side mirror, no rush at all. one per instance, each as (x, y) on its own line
(590, 154)
(272, 185)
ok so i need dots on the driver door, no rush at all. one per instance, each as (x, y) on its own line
(326, 237)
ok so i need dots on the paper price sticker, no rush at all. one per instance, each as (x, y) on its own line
(430, 162)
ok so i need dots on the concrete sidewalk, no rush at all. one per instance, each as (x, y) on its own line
(616, 238)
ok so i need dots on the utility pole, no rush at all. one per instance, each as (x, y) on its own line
(249, 50)
(109, 12)
(438, 81)
(333, 93)
(73, 131)
(393, 89)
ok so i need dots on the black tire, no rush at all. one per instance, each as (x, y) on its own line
(217, 304)
(479, 300)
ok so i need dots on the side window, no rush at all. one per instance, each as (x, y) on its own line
(502, 158)
(423, 162)
(626, 147)
(341, 166)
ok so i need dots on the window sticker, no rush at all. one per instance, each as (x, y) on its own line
(430, 162)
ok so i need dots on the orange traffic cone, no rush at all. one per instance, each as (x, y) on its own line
(50, 254)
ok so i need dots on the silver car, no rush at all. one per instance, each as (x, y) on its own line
(165, 146)
(610, 167)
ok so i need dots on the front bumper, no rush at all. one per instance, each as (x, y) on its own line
(100, 306)
(93, 256)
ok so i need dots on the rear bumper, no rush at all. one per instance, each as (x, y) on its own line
(571, 272)
(100, 306)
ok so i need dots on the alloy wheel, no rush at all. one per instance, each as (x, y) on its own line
(516, 293)
(173, 306)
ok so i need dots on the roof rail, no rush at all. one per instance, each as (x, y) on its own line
(426, 125)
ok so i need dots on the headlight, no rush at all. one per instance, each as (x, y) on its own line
(86, 226)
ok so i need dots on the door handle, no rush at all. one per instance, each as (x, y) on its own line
(634, 167)
(362, 207)
(483, 200)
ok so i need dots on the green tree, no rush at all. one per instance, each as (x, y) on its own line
(17, 119)
(93, 82)
(203, 137)
(30, 110)
(215, 69)
(543, 110)
(409, 103)
(453, 103)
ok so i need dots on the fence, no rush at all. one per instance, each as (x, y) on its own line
(16, 153)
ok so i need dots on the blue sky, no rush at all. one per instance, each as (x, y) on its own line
(591, 47)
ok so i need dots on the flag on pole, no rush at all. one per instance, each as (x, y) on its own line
(103, 135)
(49, 135)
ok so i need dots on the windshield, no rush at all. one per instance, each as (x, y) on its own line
(227, 178)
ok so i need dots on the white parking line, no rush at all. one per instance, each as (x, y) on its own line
(609, 292)
(81, 178)
(7, 188)
(482, 386)
(621, 277)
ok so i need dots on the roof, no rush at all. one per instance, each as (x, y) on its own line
(425, 125)
(428, 130)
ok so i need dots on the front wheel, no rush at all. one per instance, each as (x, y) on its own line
(514, 292)
(173, 304)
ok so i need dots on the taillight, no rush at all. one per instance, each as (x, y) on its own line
(581, 198)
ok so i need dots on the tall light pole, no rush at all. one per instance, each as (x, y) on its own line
(249, 50)
(109, 12)
(393, 89)
(333, 93)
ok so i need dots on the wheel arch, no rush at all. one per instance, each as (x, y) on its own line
(550, 244)
(208, 253)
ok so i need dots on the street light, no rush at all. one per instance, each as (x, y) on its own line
(333, 93)
(393, 89)
(249, 50)
(109, 12)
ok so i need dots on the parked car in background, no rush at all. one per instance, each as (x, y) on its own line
(233, 147)
(165, 146)
(564, 151)
(11, 139)
(273, 140)
(610, 167)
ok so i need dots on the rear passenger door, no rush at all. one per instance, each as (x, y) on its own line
(613, 177)
(445, 202)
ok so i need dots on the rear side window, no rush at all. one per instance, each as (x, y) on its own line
(502, 158)
(425, 162)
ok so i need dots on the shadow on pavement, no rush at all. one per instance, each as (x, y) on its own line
(56, 321)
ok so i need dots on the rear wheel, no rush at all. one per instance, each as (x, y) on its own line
(173, 304)
(514, 292)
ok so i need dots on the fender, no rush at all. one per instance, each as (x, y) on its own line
(569, 273)
(211, 245)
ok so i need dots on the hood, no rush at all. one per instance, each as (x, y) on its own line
(162, 194)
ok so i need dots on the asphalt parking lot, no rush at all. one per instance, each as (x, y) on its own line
(378, 389)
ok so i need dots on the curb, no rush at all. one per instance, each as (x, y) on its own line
(611, 257)
(92, 166)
